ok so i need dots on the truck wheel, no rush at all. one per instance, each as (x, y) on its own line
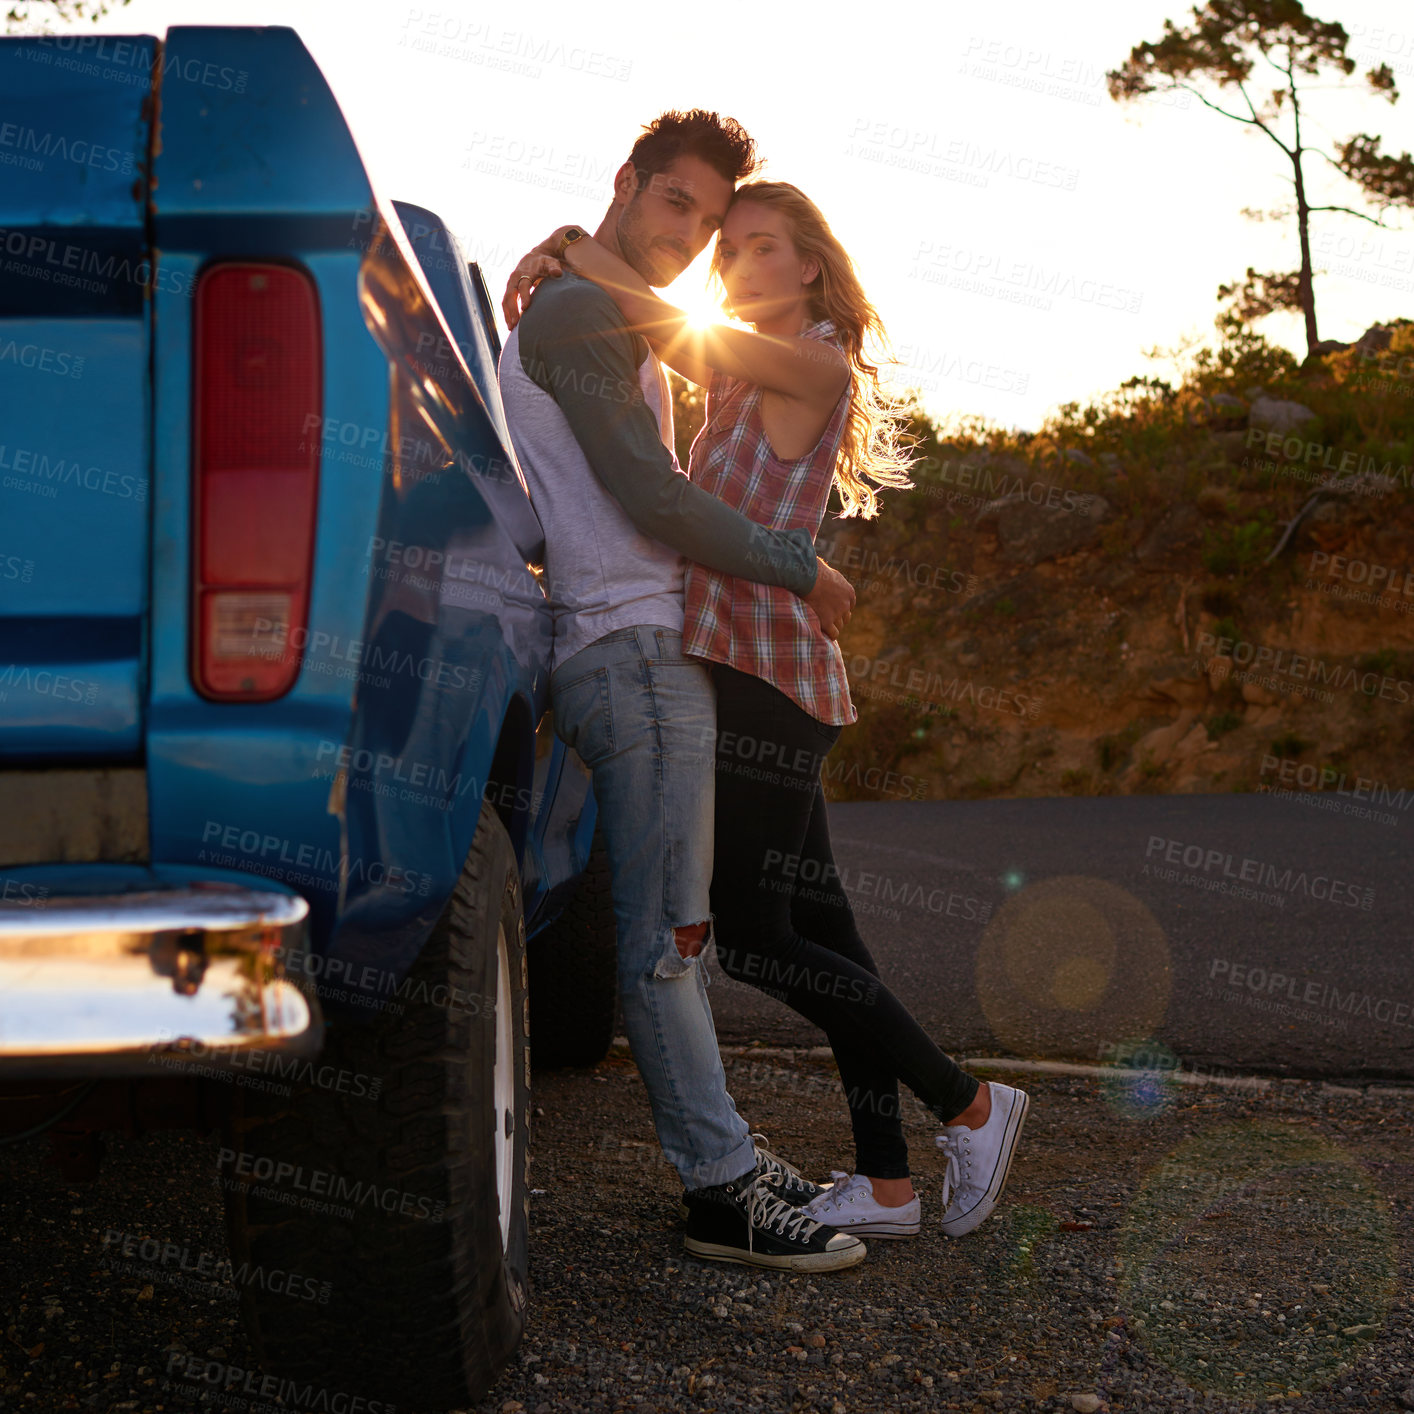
(378, 1217)
(574, 974)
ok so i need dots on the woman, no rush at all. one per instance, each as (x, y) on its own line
(794, 408)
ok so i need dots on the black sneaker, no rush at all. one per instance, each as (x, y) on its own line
(744, 1221)
(784, 1179)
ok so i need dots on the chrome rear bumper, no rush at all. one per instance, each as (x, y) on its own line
(102, 982)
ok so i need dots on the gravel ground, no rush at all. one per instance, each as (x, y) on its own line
(1158, 1248)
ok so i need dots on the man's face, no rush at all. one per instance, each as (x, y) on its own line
(667, 225)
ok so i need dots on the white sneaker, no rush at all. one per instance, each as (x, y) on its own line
(848, 1205)
(980, 1159)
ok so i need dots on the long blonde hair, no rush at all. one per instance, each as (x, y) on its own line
(875, 450)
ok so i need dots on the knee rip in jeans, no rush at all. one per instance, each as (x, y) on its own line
(671, 962)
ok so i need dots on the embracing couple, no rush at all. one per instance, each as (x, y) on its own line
(695, 623)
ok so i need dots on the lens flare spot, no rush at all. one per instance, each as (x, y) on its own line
(1079, 983)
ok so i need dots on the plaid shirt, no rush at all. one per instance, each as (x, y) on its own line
(759, 628)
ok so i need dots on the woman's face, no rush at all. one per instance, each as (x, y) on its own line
(764, 274)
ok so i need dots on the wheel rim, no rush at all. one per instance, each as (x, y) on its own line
(503, 1088)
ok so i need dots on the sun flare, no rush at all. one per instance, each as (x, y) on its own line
(689, 293)
(703, 311)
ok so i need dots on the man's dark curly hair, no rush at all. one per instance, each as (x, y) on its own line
(722, 143)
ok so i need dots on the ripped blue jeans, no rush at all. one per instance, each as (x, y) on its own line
(643, 719)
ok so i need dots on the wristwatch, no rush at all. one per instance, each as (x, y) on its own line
(566, 240)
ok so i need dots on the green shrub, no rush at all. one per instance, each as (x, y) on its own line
(1236, 549)
(1223, 723)
(1382, 661)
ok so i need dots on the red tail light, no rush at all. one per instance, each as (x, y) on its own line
(255, 477)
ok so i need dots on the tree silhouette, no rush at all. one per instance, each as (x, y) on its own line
(1222, 47)
(35, 16)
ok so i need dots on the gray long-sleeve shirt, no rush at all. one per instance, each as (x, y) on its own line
(583, 399)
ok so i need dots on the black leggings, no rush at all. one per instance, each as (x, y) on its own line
(784, 924)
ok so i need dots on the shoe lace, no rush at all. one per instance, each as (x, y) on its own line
(842, 1189)
(952, 1146)
(764, 1209)
(774, 1165)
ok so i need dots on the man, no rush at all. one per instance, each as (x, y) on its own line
(591, 420)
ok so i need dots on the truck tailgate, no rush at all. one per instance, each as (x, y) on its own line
(74, 397)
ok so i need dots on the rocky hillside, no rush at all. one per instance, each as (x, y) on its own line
(1200, 588)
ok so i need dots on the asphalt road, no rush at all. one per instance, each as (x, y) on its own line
(1243, 933)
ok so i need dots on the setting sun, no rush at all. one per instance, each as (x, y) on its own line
(696, 293)
(689, 294)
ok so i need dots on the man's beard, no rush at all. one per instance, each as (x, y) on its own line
(658, 265)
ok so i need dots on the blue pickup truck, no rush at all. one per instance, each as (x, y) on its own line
(280, 804)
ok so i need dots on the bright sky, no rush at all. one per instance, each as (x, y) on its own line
(1024, 237)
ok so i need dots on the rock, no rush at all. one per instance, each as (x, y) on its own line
(1179, 528)
(1332, 523)
(1253, 393)
(1158, 747)
(1374, 340)
(1073, 454)
(1231, 444)
(1194, 743)
(987, 474)
(1278, 415)
(1028, 532)
(1086, 1403)
(1262, 696)
(1179, 682)
(1227, 409)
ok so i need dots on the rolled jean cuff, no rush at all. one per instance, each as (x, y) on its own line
(740, 1162)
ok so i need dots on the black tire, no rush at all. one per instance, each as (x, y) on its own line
(573, 968)
(415, 1306)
